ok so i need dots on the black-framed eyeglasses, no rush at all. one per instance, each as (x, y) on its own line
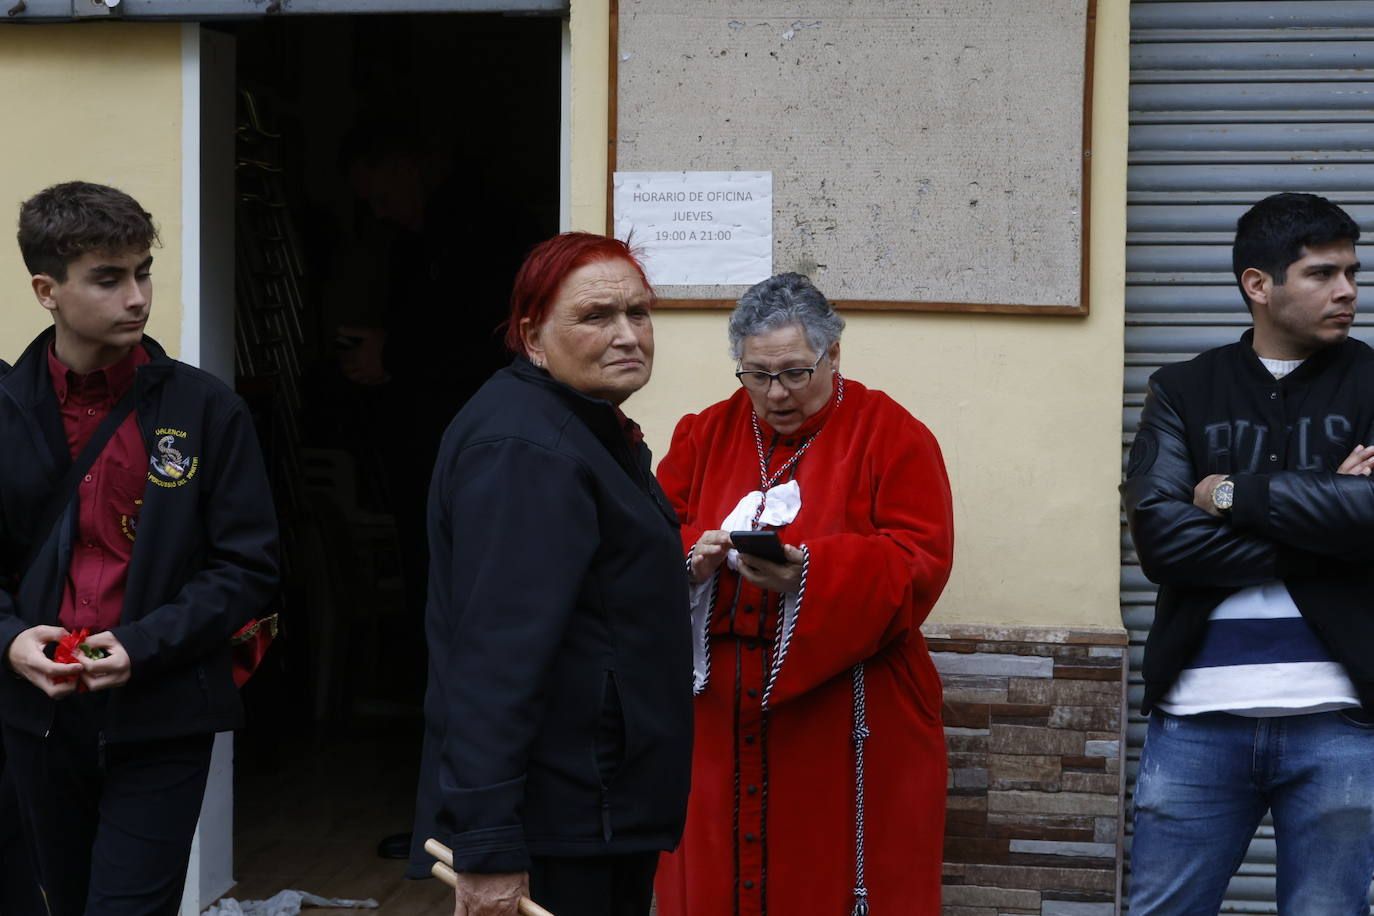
(791, 379)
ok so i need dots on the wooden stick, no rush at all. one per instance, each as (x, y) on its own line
(439, 851)
(443, 870)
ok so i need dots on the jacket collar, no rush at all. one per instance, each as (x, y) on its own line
(1311, 367)
(29, 383)
(111, 381)
(30, 372)
(600, 415)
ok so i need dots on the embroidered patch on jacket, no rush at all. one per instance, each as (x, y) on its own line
(1144, 451)
(129, 523)
(169, 466)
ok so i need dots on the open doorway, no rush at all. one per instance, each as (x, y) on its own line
(391, 173)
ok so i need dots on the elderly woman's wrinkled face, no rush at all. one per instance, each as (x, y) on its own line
(598, 337)
(783, 409)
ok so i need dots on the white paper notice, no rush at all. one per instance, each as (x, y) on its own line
(698, 228)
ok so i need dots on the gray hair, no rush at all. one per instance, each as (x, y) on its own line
(780, 301)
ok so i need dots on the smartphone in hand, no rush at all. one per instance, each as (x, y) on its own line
(762, 544)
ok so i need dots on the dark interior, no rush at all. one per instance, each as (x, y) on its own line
(392, 172)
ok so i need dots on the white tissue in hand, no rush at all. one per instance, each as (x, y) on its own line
(781, 508)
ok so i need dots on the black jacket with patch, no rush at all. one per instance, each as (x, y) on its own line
(1294, 518)
(558, 718)
(204, 562)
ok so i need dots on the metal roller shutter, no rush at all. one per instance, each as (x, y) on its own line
(1230, 101)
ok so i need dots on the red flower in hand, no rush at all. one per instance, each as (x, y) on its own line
(65, 654)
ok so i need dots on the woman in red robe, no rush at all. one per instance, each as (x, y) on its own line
(818, 772)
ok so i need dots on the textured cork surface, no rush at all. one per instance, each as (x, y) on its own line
(920, 150)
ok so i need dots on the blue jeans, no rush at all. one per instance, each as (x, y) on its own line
(1205, 782)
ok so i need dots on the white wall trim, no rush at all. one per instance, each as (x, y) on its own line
(190, 194)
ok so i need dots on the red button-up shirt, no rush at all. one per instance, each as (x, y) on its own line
(109, 496)
(629, 429)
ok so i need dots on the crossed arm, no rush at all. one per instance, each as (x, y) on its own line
(1281, 523)
(1359, 463)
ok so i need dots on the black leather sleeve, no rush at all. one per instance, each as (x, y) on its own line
(1179, 544)
(1321, 512)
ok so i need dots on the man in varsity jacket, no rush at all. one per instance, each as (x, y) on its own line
(1251, 505)
(161, 549)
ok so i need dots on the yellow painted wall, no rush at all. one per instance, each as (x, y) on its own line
(99, 102)
(590, 24)
(1028, 410)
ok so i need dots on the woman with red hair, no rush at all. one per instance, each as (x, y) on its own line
(558, 712)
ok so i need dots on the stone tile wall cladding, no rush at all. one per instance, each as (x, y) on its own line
(1034, 722)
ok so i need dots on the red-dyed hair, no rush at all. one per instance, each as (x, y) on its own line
(548, 265)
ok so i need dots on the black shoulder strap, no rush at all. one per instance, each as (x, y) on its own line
(62, 493)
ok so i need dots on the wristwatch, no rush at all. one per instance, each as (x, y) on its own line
(1223, 495)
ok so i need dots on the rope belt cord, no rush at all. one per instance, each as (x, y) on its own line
(860, 736)
(787, 627)
(705, 630)
(766, 480)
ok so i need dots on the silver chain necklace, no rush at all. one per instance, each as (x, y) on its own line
(767, 480)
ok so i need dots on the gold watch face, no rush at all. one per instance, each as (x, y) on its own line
(1222, 494)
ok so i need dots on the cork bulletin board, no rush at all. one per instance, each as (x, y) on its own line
(927, 155)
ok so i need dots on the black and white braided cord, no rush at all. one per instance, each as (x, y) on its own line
(860, 736)
(787, 626)
(767, 480)
(705, 636)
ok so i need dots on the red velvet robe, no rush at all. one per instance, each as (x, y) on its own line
(771, 819)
